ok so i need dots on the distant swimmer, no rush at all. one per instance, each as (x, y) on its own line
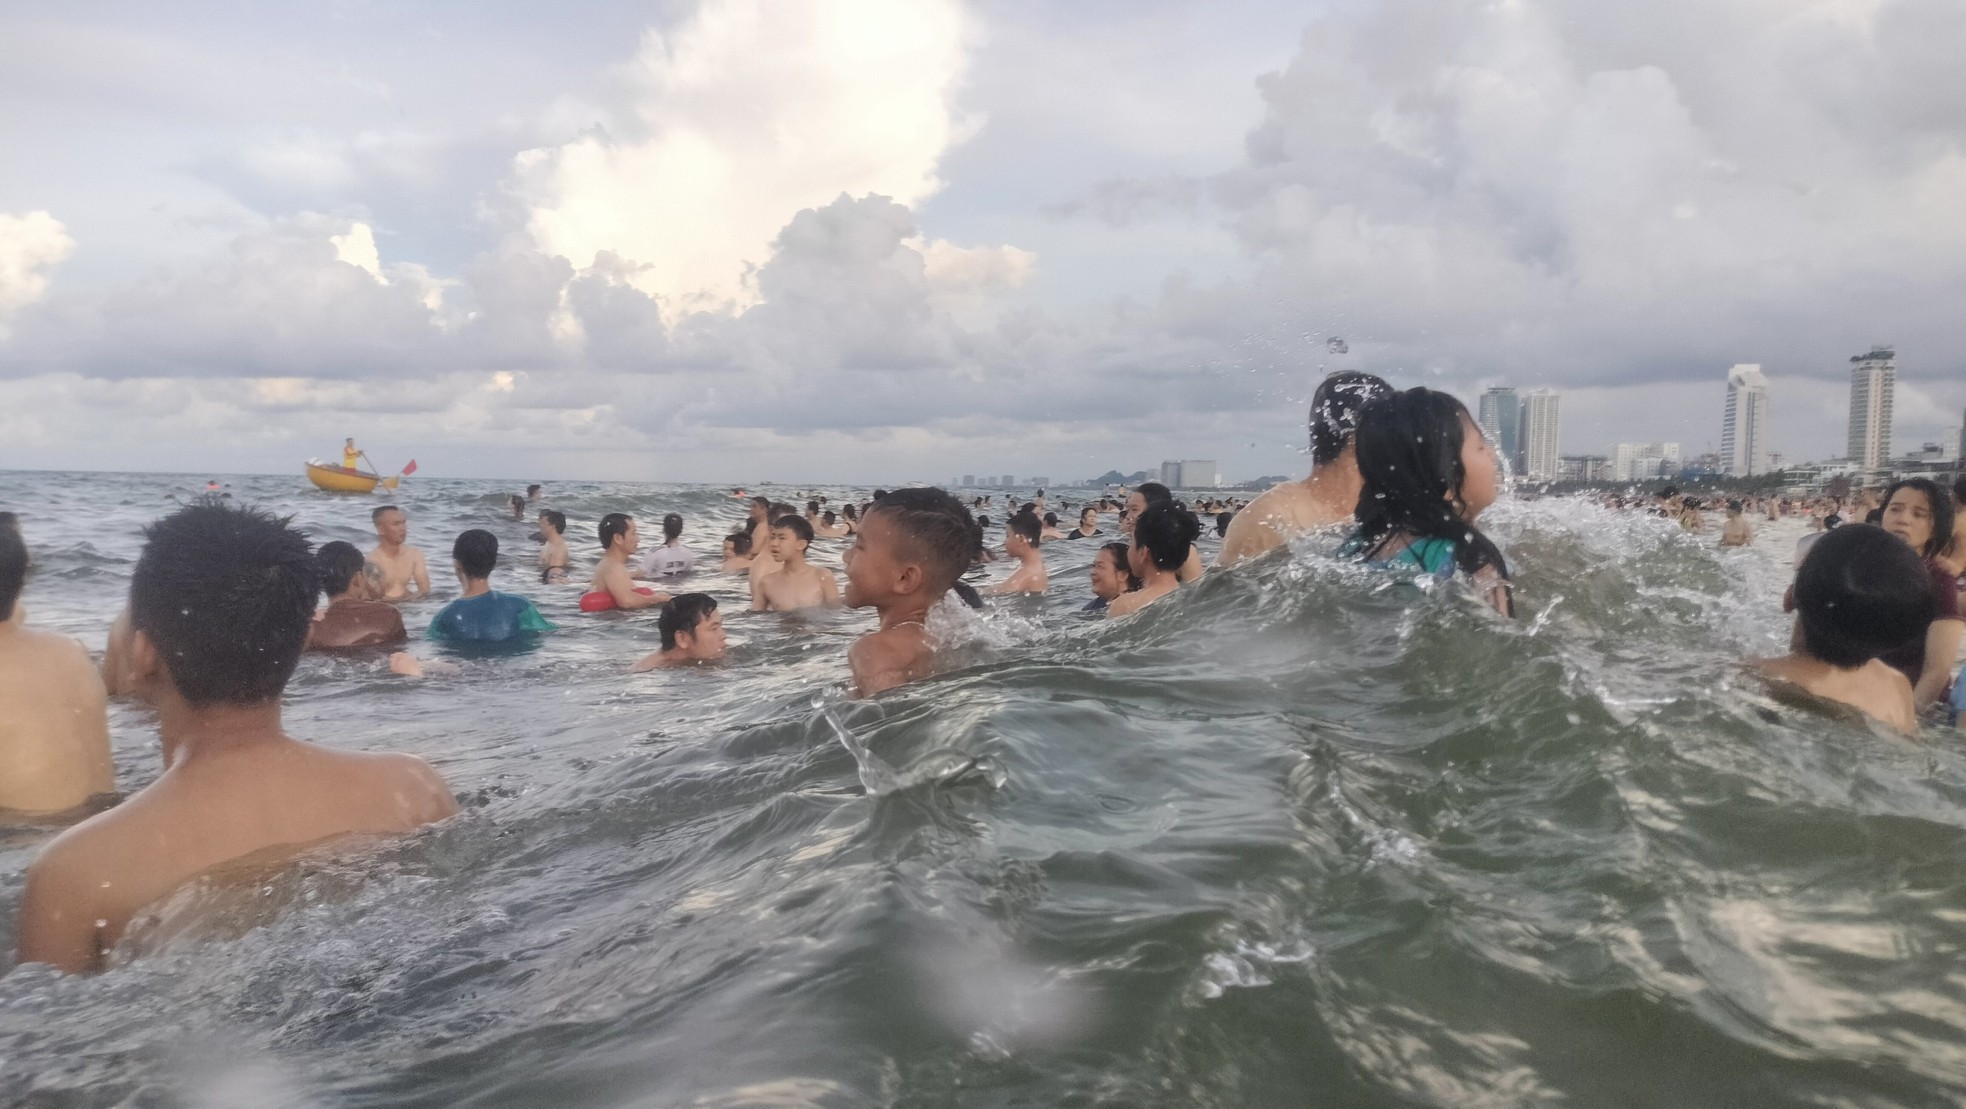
(1112, 576)
(692, 631)
(535, 492)
(612, 580)
(671, 559)
(1327, 497)
(1163, 539)
(1860, 594)
(1428, 473)
(404, 574)
(1022, 540)
(760, 532)
(54, 716)
(795, 584)
(737, 553)
(352, 619)
(482, 614)
(911, 548)
(829, 526)
(1088, 524)
(1736, 532)
(554, 558)
(1051, 527)
(1152, 493)
(220, 602)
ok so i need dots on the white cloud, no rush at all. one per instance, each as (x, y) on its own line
(30, 246)
(747, 113)
(357, 248)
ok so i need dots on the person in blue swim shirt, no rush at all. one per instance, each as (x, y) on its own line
(482, 614)
(1428, 473)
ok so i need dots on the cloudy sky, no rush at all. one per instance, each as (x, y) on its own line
(880, 240)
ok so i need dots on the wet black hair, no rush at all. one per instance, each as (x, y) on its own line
(1168, 532)
(1335, 409)
(1860, 593)
(13, 569)
(1121, 558)
(1733, 506)
(375, 514)
(556, 518)
(1831, 521)
(982, 522)
(761, 502)
(812, 506)
(880, 494)
(1942, 514)
(1051, 519)
(517, 501)
(1027, 525)
(1222, 522)
(852, 513)
(1409, 455)
(672, 527)
(613, 524)
(796, 524)
(10, 521)
(1153, 492)
(933, 528)
(967, 593)
(226, 593)
(740, 542)
(476, 553)
(336, 564)
(531, 489)
(828, 517)
(683, 613)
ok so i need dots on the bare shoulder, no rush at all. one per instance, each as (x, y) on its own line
(418, 784)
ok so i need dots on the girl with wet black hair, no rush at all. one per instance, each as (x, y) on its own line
(1428, 473)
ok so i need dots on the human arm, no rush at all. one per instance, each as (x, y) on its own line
(759, 602)
(622, 588)
(1941, 652)
(829, 589)
(420, 574)
(1249, 535)
(57, 919)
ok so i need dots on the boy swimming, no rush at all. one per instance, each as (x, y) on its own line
(909, 549)
(1022, 538)
(692, 630)
(1163, 543)
(795, 583)
(353, 618)
(220, 601)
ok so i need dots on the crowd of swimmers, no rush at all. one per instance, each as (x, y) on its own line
(224, 600)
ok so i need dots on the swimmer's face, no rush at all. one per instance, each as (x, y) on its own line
(1108, 577)
(392, 526)
(874, 571)
(1089, 518)
(785, 543)
(631, 540)
(1480, 474)
(1909, 517)
(708, 640)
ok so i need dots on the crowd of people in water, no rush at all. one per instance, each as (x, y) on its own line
(225, 599)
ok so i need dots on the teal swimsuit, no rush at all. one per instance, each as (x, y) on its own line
(1430, 555)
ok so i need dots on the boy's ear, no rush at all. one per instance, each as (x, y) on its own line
(908, 579)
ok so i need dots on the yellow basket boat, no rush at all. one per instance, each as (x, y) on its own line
(340, 479)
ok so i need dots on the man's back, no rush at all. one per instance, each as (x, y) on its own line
(209, 809)
(349, 623)
(54, 724)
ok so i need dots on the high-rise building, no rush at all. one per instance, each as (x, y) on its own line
(969, 481)
(1009, 480)
(1170, 474)
(1501, 421)
(1643, 461)
(1542, 436)
(1873, 378)
(1744, 424)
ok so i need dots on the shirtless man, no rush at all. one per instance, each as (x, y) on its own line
(404, 575)
(54, 722)
(762, 559)
(220, 602)
(553, 554)
(1736, 532)
(737, 553)
(620, 539)
(692, 631)
(1022, 537)
(1330, 495)
(353, 618)
(794, 584)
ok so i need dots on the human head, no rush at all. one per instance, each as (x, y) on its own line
(812, 508)
(1089, 517)
(1023, 530)
(691, 625)
(1149, 493)
(553, 518)
(790, 536)
(220, 603)
(1222, 522)
(1334, 412)
(1733, 508)
(1861, 592)
(913, 544)
(828, 518)
(476, 554)
(1112, 573)
(1427, 471)
(340, 569)
(737, 544)
(852, 513)
(618, 531)
(391, 525)
(518, 505)
(13, 569)
(672, 527)
(760, 508)
(1917, 511)
(1162, 537)
(533, 492)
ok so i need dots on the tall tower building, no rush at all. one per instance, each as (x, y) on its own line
(1501, 420)
(1873, 378)
(1542, 436)
(1744, 426)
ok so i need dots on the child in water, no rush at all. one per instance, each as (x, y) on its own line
(1164, 536)
(910, 548)
(1861, 593)
(1428, 472)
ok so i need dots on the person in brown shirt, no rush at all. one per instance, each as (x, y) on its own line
(353, 618)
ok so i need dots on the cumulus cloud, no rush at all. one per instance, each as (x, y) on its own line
(30, 247)
(745, 114)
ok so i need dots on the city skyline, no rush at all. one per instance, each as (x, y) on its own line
(1744, 445)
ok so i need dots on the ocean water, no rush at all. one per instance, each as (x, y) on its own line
(1296, 836)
